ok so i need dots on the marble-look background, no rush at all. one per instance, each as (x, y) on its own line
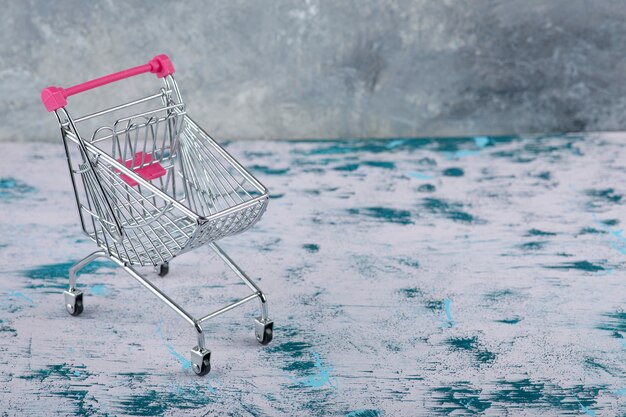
(406, 278)
(332, 69)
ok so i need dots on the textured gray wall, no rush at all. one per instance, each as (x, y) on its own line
(324, 69)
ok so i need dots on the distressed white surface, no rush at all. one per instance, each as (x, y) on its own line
(390, 297)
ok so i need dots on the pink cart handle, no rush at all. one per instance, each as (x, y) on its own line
(56, 97)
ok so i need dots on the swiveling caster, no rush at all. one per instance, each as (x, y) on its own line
(73, 297)
(200, 360)
(162, 269)
(264, 330)
(73, 302)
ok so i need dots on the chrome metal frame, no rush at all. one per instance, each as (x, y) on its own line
(196, 323)
(204, 195)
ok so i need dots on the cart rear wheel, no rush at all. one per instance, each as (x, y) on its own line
(162, 269)
(74, 302)
(264, 331)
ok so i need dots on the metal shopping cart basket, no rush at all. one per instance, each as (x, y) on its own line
(150, 185)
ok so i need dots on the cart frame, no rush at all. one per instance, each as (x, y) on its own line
(111, 231)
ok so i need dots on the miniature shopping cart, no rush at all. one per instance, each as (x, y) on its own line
(150, 185)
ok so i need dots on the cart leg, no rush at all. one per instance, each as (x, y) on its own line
(263, 326)
(73, 297)
(200, 355)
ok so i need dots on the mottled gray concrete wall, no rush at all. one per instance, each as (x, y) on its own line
(325, 69)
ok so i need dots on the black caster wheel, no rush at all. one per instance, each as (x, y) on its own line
(162, 269)
(73, 302)
(201, 361)
(264, 330)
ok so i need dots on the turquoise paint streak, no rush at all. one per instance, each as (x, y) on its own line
(11, 188)
(620, 244)
(449, 320)
(323, 376)
(18, 294)
(99, 289)
(463, 153)
(419, 175)
(186, 363)
(585, 409)
(481, 141)
(394, 144)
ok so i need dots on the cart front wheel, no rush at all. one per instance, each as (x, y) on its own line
(73, 302)
(200, 361)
